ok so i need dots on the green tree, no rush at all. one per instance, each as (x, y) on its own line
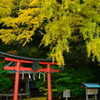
(69, 78)
(59, 21)
(4, 81)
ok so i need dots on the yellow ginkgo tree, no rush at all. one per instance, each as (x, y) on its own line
(61, 22)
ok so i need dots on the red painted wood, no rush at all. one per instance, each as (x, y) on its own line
(16, 86)
(10, 68)
(30, 69)
(49, 83)
(27, 61)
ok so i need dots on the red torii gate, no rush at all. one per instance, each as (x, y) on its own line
(18, 68)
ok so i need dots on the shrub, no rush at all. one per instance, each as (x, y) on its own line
(68, 78)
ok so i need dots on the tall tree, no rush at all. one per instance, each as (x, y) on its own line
(5, 8)
(61, 22)
(22, 27)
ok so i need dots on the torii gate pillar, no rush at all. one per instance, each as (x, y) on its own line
(16, 86)
(49, 83)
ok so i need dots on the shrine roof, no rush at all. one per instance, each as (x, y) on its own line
(23, 58)
(25, 72)
(91, 85)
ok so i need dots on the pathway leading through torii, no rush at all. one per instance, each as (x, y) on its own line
(19, 60)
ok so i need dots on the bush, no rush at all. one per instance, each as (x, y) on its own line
(68, 78)
(4, 81)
